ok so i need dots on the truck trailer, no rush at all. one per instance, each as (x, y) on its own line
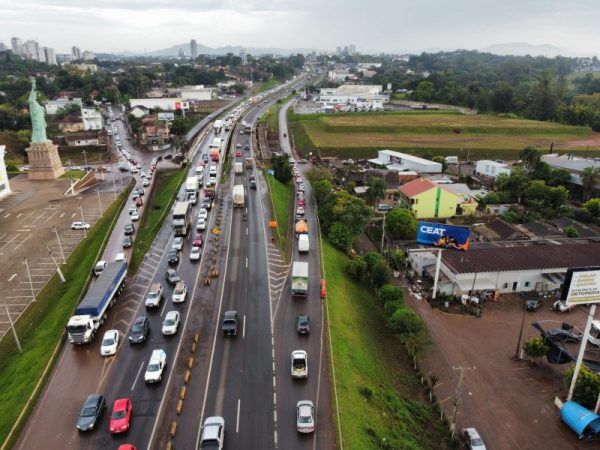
(300, 278)
(182, 218)
(191, 185)
(238, 196)
(101, 295)
(238, 168)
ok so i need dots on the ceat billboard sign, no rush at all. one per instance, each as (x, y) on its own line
(582, 286)
(182, 105)
(445, 236)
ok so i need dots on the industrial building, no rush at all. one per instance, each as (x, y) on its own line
(355, 95)
(401, 162)
(165, 104)
(53, 106)
(574, 165)
(491, 169)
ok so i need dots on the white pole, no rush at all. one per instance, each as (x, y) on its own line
(99, 202)
(437, 273)
(30, 282)
(60, 246)
(82, 221)
(112, 173)
(85, 159)
(60, 274)
(12, 326)
(584, 339)
(383, 231)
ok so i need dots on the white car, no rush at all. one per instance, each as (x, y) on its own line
(202, 214)
(80, 226)
(110, 342)
(135, 216)
(171, 323)
(299, 366)
(473, 439)
(179, 293)
(146, 183)
(177, 243)
(201, 225)
(134, 169)
(155, 367)
(195, 253)
(305, 416)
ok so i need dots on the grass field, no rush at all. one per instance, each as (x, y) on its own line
(41, 326)
(378, 392)
(265, 85)
(156, 211)
(281, 197)
(437, 133)
(74, 174)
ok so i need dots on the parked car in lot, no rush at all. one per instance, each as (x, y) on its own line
(229, 326)
(172, 277)
(80, 226)
(195, 254)
(129, 229)
(179, 293)
(155, 367)
(91, 411)
(110, 342)
(302, 324)
(120, 418)
(139, 330)
(305, 419)
(171, 323)
(154, 296)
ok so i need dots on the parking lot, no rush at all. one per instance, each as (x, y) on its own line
(34, 221)
(510, 402)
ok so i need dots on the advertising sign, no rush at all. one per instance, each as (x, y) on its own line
(166, 116)
(182, 105)
(441, 235)
(582, 286)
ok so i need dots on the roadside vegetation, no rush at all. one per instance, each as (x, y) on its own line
(73, 174)
(281, 204)
(42, 325)
(156, 211)
(266, 85)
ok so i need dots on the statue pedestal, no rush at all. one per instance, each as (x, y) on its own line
(44, 162)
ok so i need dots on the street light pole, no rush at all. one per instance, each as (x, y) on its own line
(62, 253)
(60, 274)
(85, 159)
(383, 231)
(82, 221)
(99, 202)
(30, 282)
(12, 326)
(112, 173)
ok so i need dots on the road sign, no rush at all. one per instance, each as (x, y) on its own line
(582, 286)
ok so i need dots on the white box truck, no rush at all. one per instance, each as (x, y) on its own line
(239, 168)
(300, 278)
(191, 185)
(303, 244)
(238, 196)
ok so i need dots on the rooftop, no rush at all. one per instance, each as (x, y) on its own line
(416, 187)
(569, 162)
(523, 257)
(358, 89)
(489, 162)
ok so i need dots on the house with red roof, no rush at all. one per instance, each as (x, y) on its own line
(429, 200)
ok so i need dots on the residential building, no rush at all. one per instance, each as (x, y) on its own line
(139, 111)
(575, 165)
(52, 106)
(429, 200)
(193, 49)
(2, 47)
(70, 124)
(85, 67)
(356, 95)
(537, 266)
(401, 162)
(50, 56)
(491, 169)
(92, 118)
(76, 52)
(88, 55)
(4, 184)
(84, 139)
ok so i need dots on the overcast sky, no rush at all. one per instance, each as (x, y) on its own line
(378, 25)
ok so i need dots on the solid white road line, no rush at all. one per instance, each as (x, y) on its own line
(162, 311)
(237, 420)
(246, 262)
(138, 375)
(244, 328)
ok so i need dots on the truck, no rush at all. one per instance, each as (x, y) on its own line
(182, 218)
(218, 126)
(214, 154)
(238, 168)
(238, 196)
(300, 278)
(249, 163)
(303, 243)
(101, 295)
(215, 149)
(191, 185)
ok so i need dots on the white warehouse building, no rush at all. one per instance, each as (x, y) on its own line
(357, 95)
(402, 162)
(491, 169)
(166, 104)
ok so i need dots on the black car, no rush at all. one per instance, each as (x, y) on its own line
(303, 324)
(129, 229)
(92, 409)
(205, 158)
(246, 147)
(173, 256)
(533, 304)
(172, 277)
(169, 156)
(230, 323)
(139, 330)
(127, 242)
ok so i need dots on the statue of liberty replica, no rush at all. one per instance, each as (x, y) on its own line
(44, 162)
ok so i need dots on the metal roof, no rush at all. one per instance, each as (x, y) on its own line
(523, 257)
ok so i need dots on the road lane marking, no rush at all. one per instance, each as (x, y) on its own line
(12, 277)
(137, 376)
(244, 328)
(162, 311)
(246, 262)
(19, 215)
(237, 420)
(246, 231)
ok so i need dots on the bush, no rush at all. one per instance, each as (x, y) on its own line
(583, 215)
(380, 273)
(536, 348)
(357, 268)
(571, 232)
(405, 322)
(391, 297)
(586, 388)
(340, 236)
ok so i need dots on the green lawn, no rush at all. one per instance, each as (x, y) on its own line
(74, 174)
(281, 198)
(266, 85)
(40, 328)
(155, 212)
(377, 390)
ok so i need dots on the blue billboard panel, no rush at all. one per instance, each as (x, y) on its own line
(441, 235)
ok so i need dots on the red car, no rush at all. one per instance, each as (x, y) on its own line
(138, 201)
(301, 203)
(197, 241)
(238, 154)
(127, 447)
(120, 418)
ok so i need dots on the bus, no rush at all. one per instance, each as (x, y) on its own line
(182, 218)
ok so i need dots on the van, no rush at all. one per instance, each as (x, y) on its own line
(199, 171)
(303, 244)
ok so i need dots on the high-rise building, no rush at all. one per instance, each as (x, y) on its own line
(2, 46)
(87, 55)
(76, 52)
(50, 56)
(338, 51)
(16, 44)
(181, 53)
(352, 49)
(193, 49)
(244, 56)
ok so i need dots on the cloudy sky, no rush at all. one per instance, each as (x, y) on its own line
(378, 25)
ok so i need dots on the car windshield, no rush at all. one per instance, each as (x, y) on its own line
(476, 441)
(118, 414)
(179, 291)
(152, 295)
(137, 328)
(108, 341)
(303, 321)
(88, 411)
(169, 322)
(153, 367)
(304, 415)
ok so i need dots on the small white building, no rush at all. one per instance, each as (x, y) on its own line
(4, 184)
(165, 104)
(139, 112)
(357, 95)
(92, 118)
(53, 106)
(491, 169)
(401, 162)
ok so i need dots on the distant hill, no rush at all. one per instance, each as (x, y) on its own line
(524, 48)
(235, 49)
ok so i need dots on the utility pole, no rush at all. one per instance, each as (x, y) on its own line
(60, 274)
(85, 159)
(30, 282)
(99, 202)
(383, 231)
(458, 395)
(12, 326)
(62, 253)
(82, 221)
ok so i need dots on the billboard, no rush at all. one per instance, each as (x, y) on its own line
(182, 105)
(582, 286)
(441, 235)
(166, 116)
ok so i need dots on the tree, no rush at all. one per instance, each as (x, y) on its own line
(571, 232)
(593, 206)
(536, 348)
(405, 322)
(442, 161)
(424, 91)
(282, 168)
(502, 97)
(356, 268)
(590, 177)
(391, 298)
(376, 190)
(380, 273)
(351, 211)
(400, 223)
(178, 126)
(318, 173)
(531, 157)
(514, 184)
(340, 236)
(586, 387)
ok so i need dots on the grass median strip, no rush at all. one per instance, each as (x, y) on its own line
(43, 323)
(378, 392)
(281, 198)
(156, 211)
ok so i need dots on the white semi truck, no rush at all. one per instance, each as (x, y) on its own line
(238, 196)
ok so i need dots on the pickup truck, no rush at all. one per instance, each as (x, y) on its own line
(299, 367)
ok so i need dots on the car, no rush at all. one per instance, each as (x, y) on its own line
(155, 367)
(171, 323)
(146, 183)
(213, 433)
(141, 191)
(134, 169)
(127, 241)
(211, 182)
(132, 209)
(129, 229)
(238, 154)
(533, 304)
(120, 418)
(172, 277)
(91, 411)
(127, 447)
(110, 342)
(299, 364)
(155, 296)
(301, 203)
(197, 241)
(472, 439)
(177, 243)
(247, 147)
(173, 256)
(300, 211)
(229, 326)
(169, 156)
(205, 158)
(195, 254)
(135, 216)
(179, 293)
(202, 214)
(139, 202)
(241, 131)
(201, 225)
(139, 330)
(80, 226)
(302, 324)
(305, 418)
